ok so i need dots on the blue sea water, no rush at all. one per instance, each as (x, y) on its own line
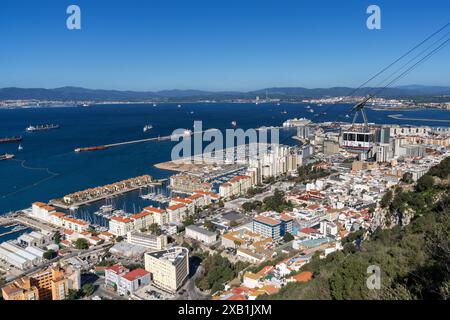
(31, 176)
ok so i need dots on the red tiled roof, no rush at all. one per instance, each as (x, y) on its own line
(121, 219)
(153, 209)
(135, 274)
(40, 204)
(267, 220)
(176, 206)
(76, 221)
(58, 214)
(303, 276)
(186, 201)
(309, 230)
(195, 196)
(117, 269)
(285, 217)
(139, 215)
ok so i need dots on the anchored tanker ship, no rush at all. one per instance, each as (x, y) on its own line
(10, 139)
(91, 148)
(42, 127)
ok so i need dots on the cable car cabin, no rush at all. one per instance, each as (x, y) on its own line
(357, 141)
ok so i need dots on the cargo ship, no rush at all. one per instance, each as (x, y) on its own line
(91, 148)
(6, 156)
(10, 139)
(42, 127)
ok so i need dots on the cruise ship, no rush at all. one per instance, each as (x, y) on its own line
(291, 123)
(42, 127)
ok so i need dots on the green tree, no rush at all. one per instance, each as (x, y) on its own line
(73, 294)
(386, 199)
(218, 271)
(49, 254)
(425, 183)
(155, 229)
(81, 244)
(88, 289)
(189, 220)
(407, 178)
(119, 239)
(288, 237)
(209, 225)
(57, 237)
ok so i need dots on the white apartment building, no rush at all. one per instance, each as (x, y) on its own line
(160, 216)
(120, 226)
(169, 268)
(200, 234)
(147, 240)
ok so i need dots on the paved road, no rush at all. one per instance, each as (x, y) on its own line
(192, 291)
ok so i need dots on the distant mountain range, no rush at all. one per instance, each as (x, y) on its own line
(80, 94)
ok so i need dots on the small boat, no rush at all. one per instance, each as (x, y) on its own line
(233, 124)
(20, 148)
(155, 105)
(347, 116)
(6, 156)
(148, 127)
(179, 106)
(284, 112)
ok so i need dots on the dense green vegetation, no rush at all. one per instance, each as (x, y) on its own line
(50, 254)
(209, 225)
(81, 244)
(310, 173)
(276, 202)
(251, 205)
(414, 259)
(188, 221)
(271, 203)
(218, 271)
(155, 229)
(88, 289)
(57, 237)
(253, 191)
(288, 237)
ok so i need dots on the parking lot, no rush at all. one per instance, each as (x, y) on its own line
(150, 292)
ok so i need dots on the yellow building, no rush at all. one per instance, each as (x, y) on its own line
(21, 290)
(52, 283)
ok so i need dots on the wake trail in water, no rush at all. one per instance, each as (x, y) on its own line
(34, 184)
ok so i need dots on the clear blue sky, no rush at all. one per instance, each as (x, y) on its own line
(213, 44)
